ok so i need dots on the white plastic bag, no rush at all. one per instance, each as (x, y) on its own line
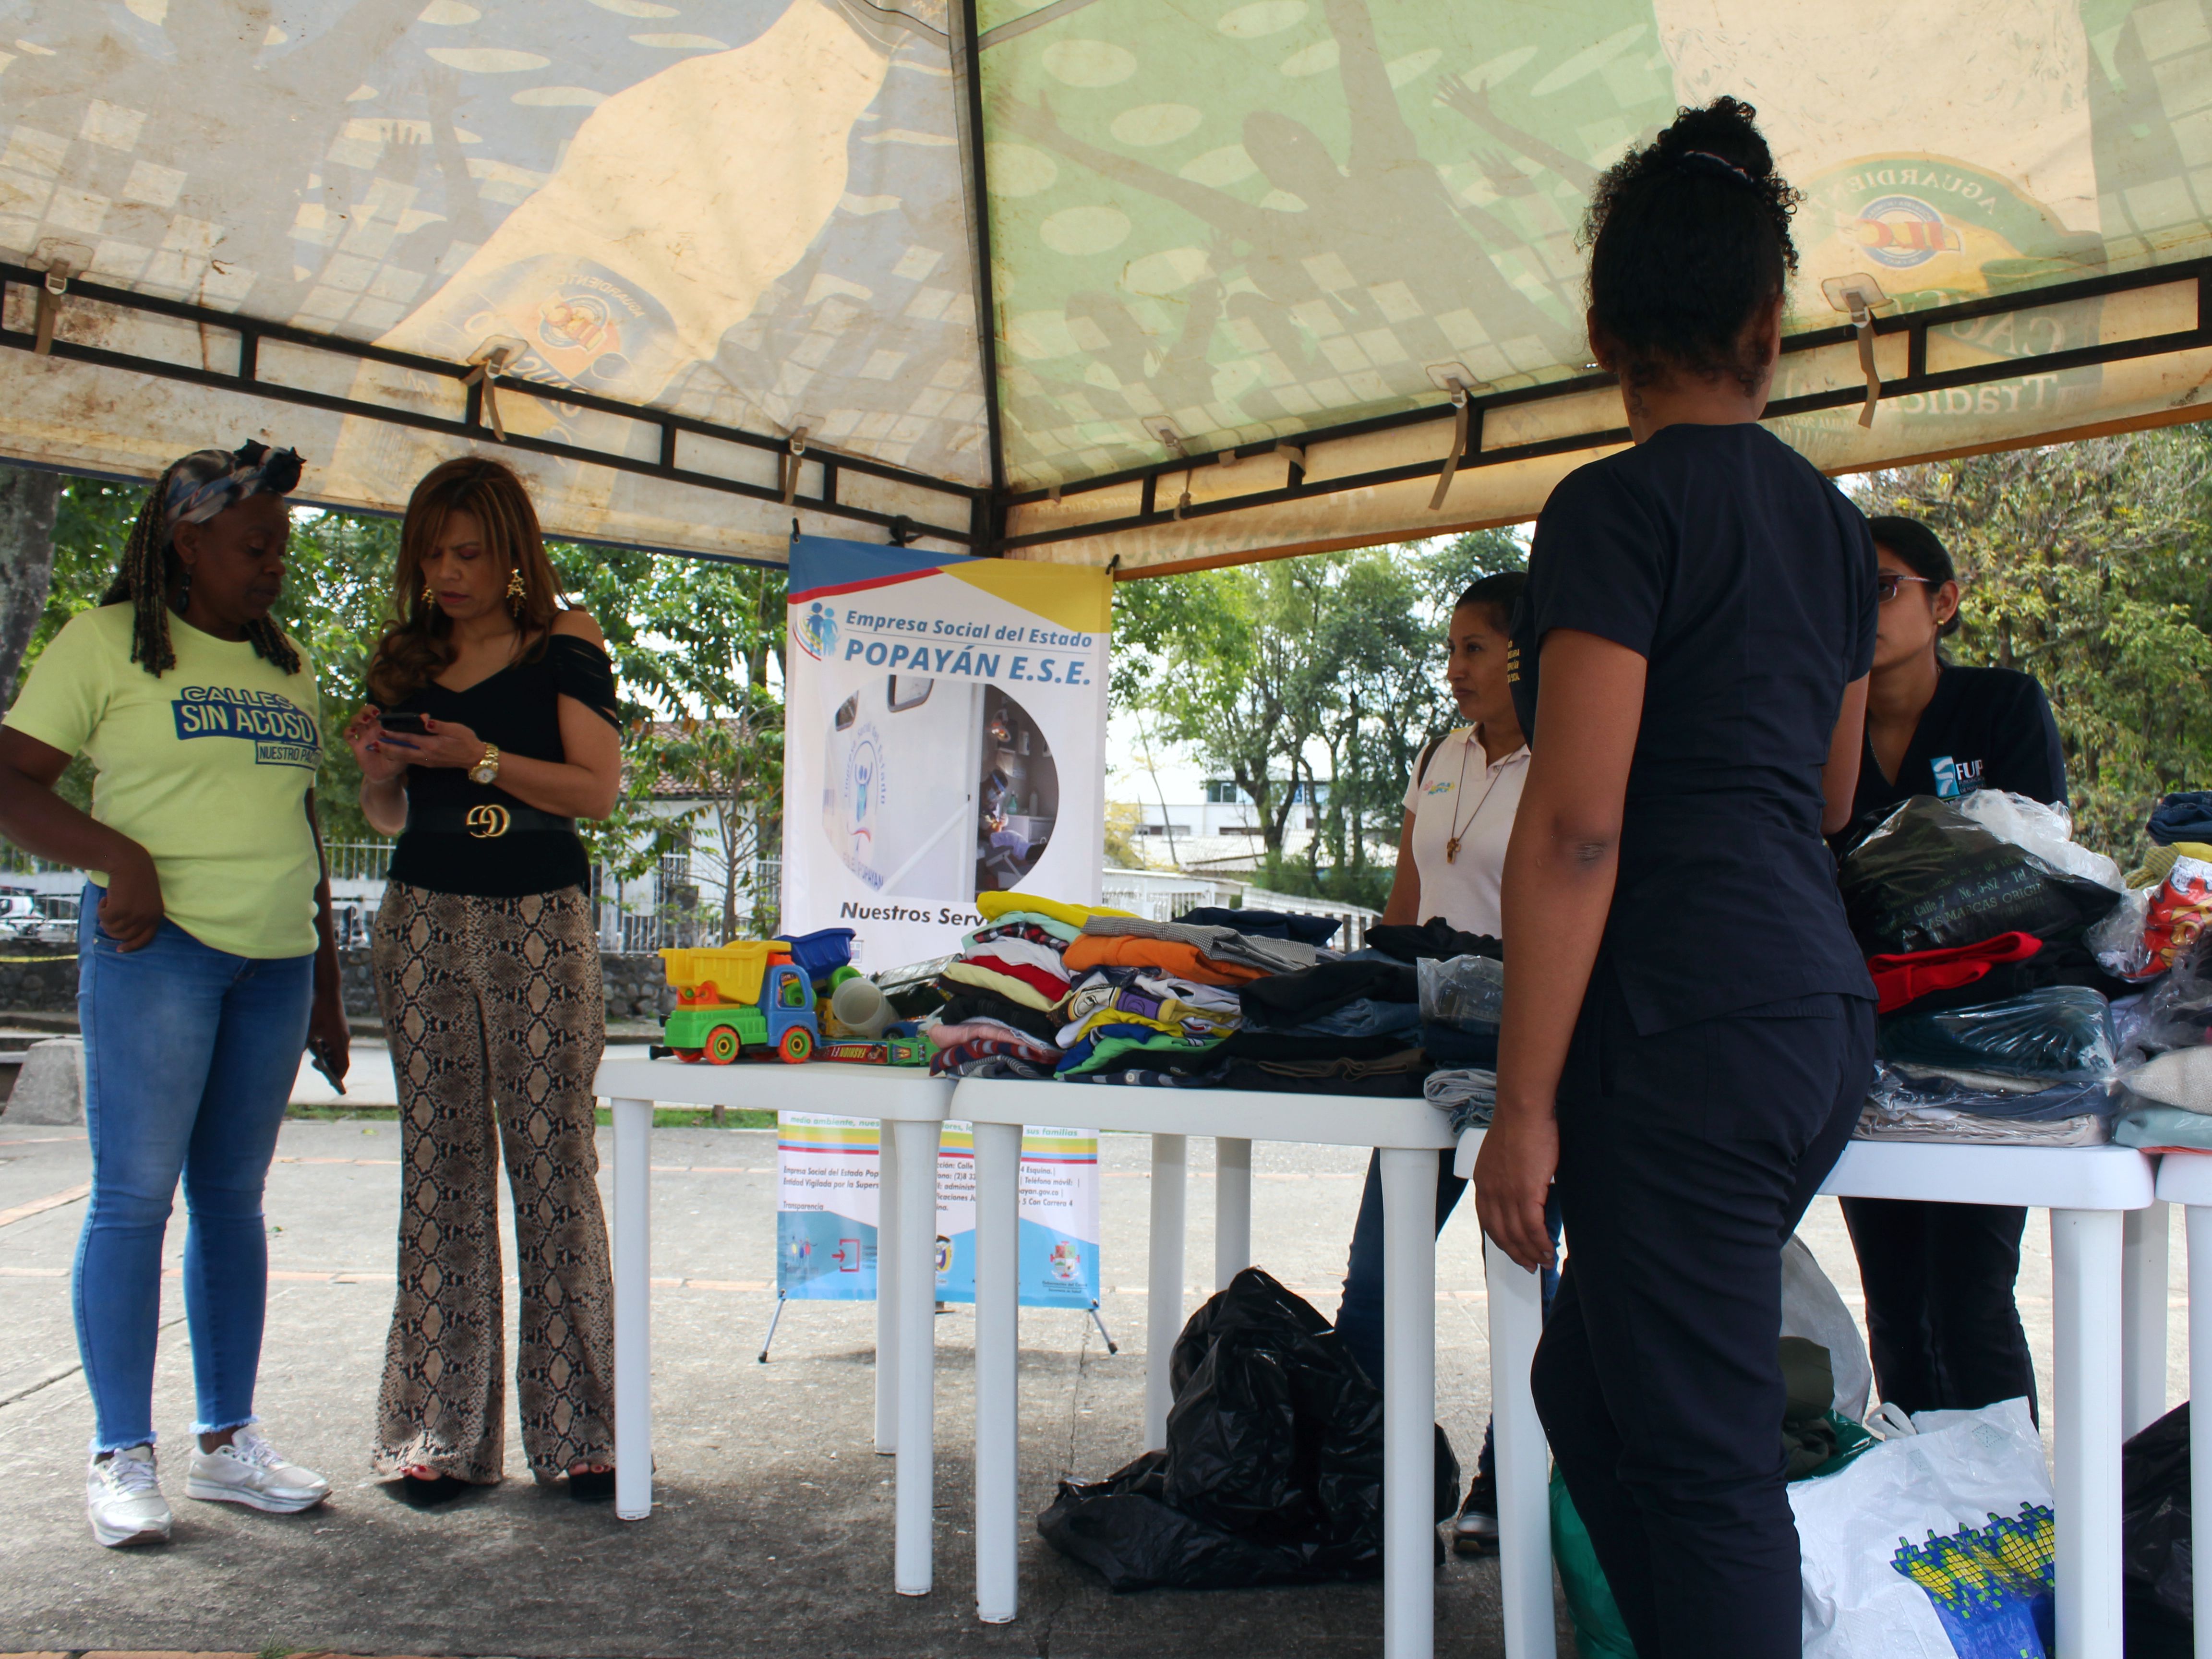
(1812, 1308)
(1932, 1544)
(2045, 831)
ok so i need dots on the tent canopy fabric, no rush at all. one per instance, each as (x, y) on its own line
(1158, 282)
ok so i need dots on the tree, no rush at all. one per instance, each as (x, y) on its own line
(2087, 565)
(28, 499)
(1273, 674)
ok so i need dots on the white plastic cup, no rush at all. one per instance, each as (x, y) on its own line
(860, 1009)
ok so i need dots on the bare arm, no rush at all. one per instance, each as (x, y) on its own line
(1839, 778)
(1560, 867)
(44, 825)
(1403, 907)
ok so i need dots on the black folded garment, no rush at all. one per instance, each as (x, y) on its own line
(1434, 937)
(1398, 1075)
(1290, 1048)
(1265, 924)
(968, 1002)
(1457, 1046)
(1287, 999)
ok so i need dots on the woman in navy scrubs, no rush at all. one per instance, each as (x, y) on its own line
(1944, 1332)
(1686, 1055)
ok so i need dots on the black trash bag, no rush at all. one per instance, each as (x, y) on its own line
(2155, 1538)
(1273, 1471)
(1929, 877)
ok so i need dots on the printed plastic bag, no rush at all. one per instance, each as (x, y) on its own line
(1932, 1544)
(1463, 991)
(2179, 907)
(1929, 877)
(2046, 831)
(2060, 1033)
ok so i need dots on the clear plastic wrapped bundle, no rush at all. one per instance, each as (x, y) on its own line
(2060, 1033)
(1461, 991)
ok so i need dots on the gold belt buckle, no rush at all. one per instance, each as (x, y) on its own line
(488, 822)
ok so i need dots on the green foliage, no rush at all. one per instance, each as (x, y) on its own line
(2089, 566)
(1316, 678)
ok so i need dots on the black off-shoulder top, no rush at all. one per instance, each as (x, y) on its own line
(518, 709)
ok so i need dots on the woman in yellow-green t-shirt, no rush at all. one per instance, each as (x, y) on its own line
(206, 959)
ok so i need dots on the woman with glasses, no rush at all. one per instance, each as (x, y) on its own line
(1943, 1331)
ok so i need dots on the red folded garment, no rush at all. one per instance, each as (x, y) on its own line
(1909, 975)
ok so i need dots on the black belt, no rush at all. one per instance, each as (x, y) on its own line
(487, 821)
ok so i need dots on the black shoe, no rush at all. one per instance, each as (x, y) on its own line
(420, 1494)
(1475, 1532)
(592, 1485)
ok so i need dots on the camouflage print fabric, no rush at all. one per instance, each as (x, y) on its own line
(494, 1010)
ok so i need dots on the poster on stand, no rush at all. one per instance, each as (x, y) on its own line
(944, 735)
(1058, 1216)
(826, 1213)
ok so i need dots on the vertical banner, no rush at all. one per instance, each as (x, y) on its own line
(944, 735)
(1058, 1216)
(825, 1207)
(825, 1212)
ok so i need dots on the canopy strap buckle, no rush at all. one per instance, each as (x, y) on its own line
(1461, 408)
(788, 465)
(1858, 296)
(490, 359)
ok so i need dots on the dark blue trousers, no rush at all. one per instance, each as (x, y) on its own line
(1687, 1158)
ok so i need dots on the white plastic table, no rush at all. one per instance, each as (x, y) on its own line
(913, 1105)
(2087, 1190)
(1408, 1133)
(2185, 1178)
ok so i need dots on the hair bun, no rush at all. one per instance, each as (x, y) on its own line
(1723, 128)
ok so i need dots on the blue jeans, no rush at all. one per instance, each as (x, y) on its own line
(190, 1055)
(1360, 1316)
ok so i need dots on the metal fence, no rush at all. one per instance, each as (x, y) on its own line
(358, 861)
(1164, 895)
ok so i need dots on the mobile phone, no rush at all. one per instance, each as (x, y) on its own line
(406, 725)
(321, 1059)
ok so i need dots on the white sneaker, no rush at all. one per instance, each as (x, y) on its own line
(123, 1499)
(251, 1471)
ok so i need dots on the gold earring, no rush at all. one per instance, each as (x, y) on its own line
(430, 594)
(515, 590)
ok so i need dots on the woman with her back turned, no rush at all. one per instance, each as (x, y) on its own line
(1685, 1060)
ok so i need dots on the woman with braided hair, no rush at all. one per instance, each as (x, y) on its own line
(206, 962)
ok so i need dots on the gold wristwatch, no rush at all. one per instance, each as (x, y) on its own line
(487, 769)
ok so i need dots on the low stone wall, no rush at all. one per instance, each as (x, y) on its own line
(38, 979)
(42, 979)
(636, 985)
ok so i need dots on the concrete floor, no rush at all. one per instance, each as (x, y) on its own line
(773, 1530)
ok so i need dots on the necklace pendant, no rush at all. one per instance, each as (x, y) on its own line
(1451, 850)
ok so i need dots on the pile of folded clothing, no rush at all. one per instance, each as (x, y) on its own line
(1159, 1003)
(1004, 990)
(2005, 1042)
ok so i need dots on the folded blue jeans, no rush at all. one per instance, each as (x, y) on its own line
(189, 1055)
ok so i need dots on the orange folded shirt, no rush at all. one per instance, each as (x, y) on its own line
(1170, 956)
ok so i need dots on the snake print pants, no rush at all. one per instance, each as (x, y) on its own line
(494, 1012)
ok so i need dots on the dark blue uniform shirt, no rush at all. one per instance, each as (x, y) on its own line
(1986, 728)
(1745, 581)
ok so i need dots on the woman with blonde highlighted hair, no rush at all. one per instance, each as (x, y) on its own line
(492, 728)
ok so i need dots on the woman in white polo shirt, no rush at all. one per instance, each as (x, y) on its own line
(1451, 858)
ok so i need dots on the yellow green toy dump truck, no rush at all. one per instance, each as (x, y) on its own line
(747, 995)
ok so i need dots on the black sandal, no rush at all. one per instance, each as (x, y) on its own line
(417, 1494)
(592, 1485)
